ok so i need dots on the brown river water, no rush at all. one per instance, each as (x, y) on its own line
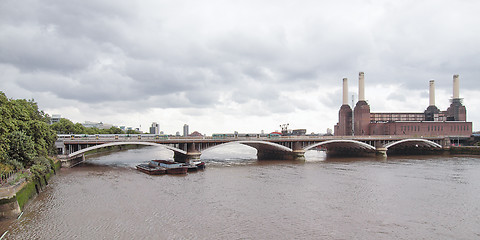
(238, 197)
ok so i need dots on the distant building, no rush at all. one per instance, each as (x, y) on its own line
(431, 122)
(99, 125)
(155, 128)
(299, 132)
(185, 130)
(177, 134)
(55, 118)
(196, 134)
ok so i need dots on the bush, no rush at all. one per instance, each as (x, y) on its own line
(41, 166)
(21, 148)
(24, 132)
(5, 168)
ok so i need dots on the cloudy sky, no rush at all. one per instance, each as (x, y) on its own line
(247, 66)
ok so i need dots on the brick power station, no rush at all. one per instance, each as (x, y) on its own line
(431, 122)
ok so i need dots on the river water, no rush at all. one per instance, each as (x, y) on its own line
(237, 197)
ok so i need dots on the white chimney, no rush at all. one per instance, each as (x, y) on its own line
(432, 93)
(456, 87)
(345, 91)
(361, 87)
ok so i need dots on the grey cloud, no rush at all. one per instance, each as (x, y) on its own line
(177, 55)
(33, 49)
(396, 97)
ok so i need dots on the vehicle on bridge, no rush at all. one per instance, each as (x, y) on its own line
(222, 135)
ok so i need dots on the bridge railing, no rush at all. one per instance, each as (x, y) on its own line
(152, 137)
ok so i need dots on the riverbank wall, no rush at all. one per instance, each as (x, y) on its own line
(473, 150)
(14, 198)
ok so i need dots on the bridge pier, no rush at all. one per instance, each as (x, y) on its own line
(298, 155)
(186, 158)
(192, 154)
(70, 162)
(381, 151)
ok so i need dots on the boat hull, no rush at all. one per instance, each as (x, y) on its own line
(200, 165)
(177, 170)
(151, 170)
(170, 166)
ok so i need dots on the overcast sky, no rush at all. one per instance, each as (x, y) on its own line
(247, 66)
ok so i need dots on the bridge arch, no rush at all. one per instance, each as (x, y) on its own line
(265, 150)
(104, 145)
(259, 145)
(416, 142)
(343, 143)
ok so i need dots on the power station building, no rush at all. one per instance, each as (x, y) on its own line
(431, 122)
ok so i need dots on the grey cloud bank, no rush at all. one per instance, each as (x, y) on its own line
(245, 66)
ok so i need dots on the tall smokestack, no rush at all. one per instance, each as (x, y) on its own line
(361, 87)
(432, 93)
(345, 91)
(456, 87)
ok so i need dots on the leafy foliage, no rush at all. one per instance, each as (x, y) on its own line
(65, 126)
(21, 148)
(41, 166)
(26, 136)
(24, 132)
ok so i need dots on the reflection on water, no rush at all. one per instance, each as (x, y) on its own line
(237, 197)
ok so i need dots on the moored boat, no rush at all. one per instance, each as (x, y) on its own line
(152, 170)
(191, 167)
(194, 166)
(170, 166)
(199, 165)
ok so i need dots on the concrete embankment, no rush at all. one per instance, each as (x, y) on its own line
(13, 198)
(474, 150)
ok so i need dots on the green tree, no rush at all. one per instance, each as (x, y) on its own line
(24, 132)
(115, 130)
(64, 126)
(130, 131)
(43, 136)
(21, 148)
(41, 166)
(79, 128)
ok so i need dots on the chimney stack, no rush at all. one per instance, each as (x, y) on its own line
(456, 87)
(345, 91)
(361, 87)
(432, 93)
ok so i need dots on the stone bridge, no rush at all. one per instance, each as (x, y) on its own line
(288, 148)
